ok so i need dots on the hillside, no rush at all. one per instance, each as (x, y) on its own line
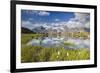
(26, 30)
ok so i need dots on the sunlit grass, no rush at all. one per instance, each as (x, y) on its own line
(42, 54)
(69, 43)
(27, 37)
(31, 53)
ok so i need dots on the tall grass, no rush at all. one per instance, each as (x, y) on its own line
(27, 37)
(42, 54)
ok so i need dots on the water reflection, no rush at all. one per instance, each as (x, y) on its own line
(69, 43)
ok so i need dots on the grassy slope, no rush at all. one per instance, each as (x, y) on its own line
(27, 37)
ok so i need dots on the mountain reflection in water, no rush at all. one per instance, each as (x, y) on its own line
(60, 42)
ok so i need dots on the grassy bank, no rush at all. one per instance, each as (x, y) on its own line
(42, 54)
(27, 37)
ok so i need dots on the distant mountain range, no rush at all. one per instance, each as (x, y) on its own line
(39, 29)
(26, 30)
(43, 29)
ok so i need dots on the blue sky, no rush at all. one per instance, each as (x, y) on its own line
(30, 18)
(46, 16)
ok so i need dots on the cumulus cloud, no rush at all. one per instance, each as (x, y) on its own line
(30, 11)
(56, 19)
(43, 13)
(30, 25)
(74, 24)
(31, 19)
(82, 17)
(80, 20)
(87, 25)
(27, 24)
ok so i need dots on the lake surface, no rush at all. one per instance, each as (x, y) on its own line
(59, 42)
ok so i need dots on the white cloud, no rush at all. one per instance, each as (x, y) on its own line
(54, 24)
(56, 19)
(30, 11)
(27, 24)
(31, 19)
(30, 25)
(81, 17)
(87, 25)
(80, 20)
(43, 13)
(74, 24)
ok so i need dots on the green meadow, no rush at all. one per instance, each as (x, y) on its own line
(30, 53)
